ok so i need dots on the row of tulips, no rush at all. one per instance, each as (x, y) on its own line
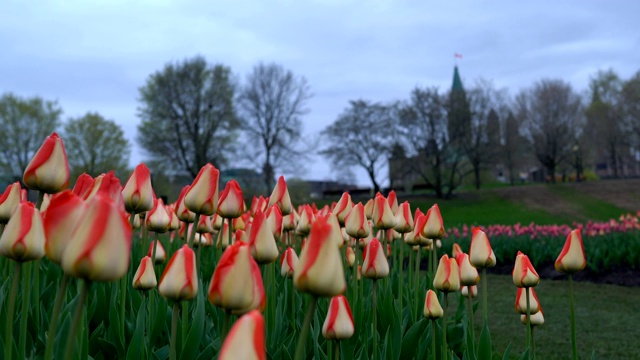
(211, 235)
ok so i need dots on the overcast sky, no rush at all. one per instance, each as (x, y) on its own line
(94, 55)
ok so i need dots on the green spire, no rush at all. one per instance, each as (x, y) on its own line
(457, 83)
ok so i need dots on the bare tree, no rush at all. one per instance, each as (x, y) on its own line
(423, 123)
(631, 110)
(482, 146)
(272, 103)
(551, 113)
(604, 126)
(188, 116)
(25, 123)
(512, 146)
(360, 136)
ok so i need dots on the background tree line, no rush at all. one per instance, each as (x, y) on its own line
(193, 112)
(442, 138)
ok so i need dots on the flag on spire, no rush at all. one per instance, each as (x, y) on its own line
(457, 56)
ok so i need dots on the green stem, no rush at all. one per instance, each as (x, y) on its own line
(410, 268)
(416, 285)
(470, 310)
(225, 326)
(174, 331)
(36, 288)
(185, 322)
(8, 335)
(444, 326)
(485, 316)
(401, 282)
(375, 321)
(40, 200)
(526, 289)
(433, 338)
(304, 333)
(574, 344)
(24, 313)
(193, 230)
(53, 323)
(123, 300)
(230, 231)
(355, 272)
(336, 350)
(150, 306)
(293, 306)
(533, 345)
(77, 316)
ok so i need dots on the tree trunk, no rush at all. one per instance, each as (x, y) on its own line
(476, 173)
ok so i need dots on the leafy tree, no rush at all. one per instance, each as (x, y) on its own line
(631, 110)
(360, 136)
(188, 116)
(25, 123)
(272, 103)
(96, 145)
(551, 114)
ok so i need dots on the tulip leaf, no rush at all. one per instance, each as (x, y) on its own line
(207, 353)
(411, 339)
(136, 345)
(191, 347)
(507, 352)
(484, 345)
(525, 355)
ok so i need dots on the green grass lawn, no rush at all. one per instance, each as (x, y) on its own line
(607, 320)
(487, 209)
(590, 206)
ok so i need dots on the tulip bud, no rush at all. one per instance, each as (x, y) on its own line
(231, 203)
(23, 238)
(375, 265)
(9, 201)
(447, 278)
(336, 232)
(418, 237)
(239, 223)
(202, 196)
(469, 291)
(521, 301)
(433, 227)
(468, 274)
(455, 250)
(280, 196)
(404, 219)
(216, 222)
(65, 211)
(108, 185)
(480, 253)
(289, 222)
(536, 319)
(524, 275)
(204, 225)
(319, 270)
(83, 186)
(202, 239)
(48, 170)
(338, 325)
(368, 209)
(161, 255)
(288, 262)
(343, 207)
(392, 200)
(242, 235)
(356, 223)
(274, 219)
(145, 277)
(158, 220)
(432, 308)
(351, 256)
(304, 223)
(246, 339)
(263, 245)
(381, 214)
(179, 281)
(138, 193)
(100, 246)
(184, 214)
(572, 258)
(174, 224)
(232, 285)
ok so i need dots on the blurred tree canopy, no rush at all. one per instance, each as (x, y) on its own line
(96, 145)
(188, 116)
(25, 123)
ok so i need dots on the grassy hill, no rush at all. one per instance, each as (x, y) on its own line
(538, 203)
